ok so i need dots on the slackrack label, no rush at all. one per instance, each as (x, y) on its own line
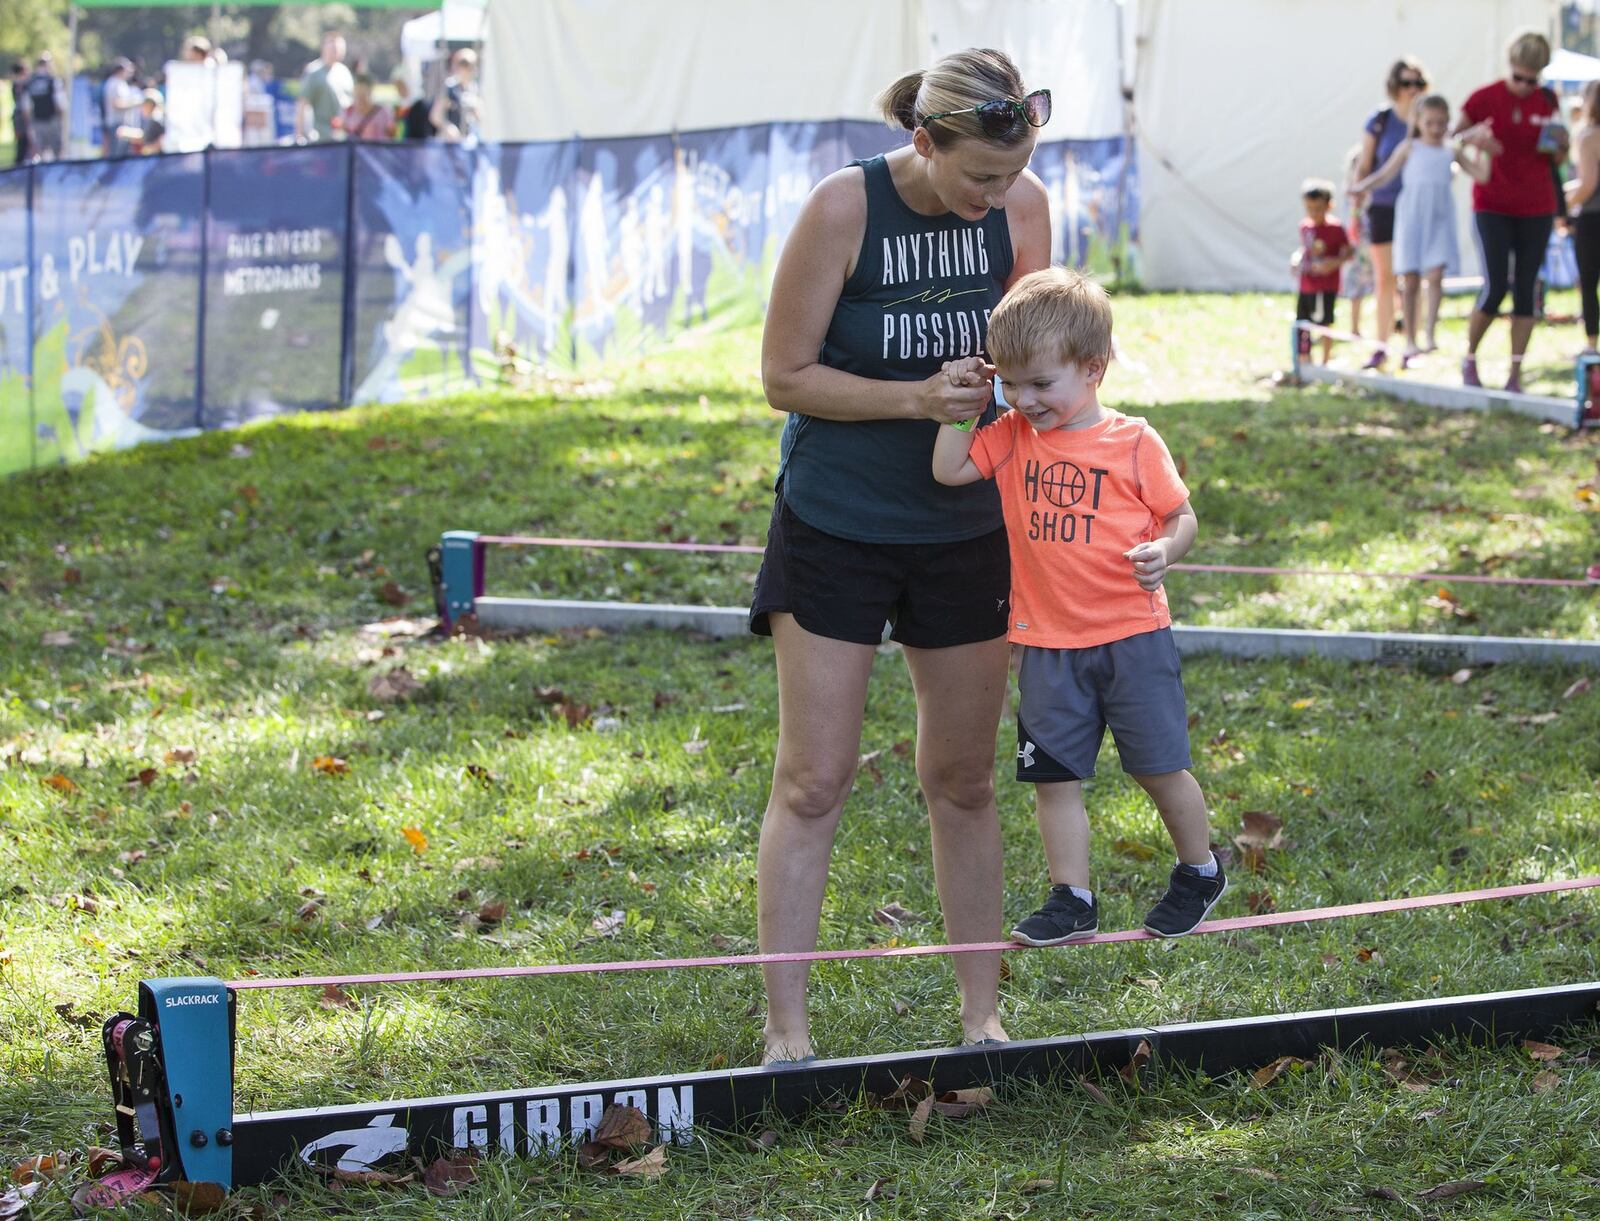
(199, 998)
(545, 1125)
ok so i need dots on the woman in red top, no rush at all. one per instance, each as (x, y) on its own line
(1519, 124)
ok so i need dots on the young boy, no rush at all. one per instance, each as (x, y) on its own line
(1324, 249)
(1095, 514)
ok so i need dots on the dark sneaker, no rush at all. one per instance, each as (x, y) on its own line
(1189, 900)
(1063, 918)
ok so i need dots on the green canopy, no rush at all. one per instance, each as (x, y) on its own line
(255, 3)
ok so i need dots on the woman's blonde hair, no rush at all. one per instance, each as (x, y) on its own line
(1057, 312)
(1531, 50)
(959, 81)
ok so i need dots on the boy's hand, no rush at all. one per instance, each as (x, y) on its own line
(1149, 564)
(970, 371)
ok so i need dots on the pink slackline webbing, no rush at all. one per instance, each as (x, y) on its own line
(1232, 924)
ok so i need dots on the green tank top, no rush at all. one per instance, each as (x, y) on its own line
(921, 294)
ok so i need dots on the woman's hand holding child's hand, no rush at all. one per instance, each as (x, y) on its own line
(959, 391)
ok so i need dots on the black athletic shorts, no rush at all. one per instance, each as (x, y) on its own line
(1380, 224)
(932, 595)
(1315, 307)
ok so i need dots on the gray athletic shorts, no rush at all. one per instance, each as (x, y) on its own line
(1070, 697)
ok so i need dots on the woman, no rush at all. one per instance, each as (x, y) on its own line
(1518, 124)
(890, 271)
(364, 119)
(1383, 133)
(1583, 204)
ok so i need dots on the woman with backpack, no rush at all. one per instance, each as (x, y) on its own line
(1384, 132)
(1518, 123)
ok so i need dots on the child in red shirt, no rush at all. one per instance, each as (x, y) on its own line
(1324, 248)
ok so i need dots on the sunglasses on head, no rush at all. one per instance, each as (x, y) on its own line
(1524, 80)
(999, 117)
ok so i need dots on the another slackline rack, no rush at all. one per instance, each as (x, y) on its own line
(459, 568)
(1578, 411)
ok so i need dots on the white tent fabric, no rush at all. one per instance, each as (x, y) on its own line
(457, 21)
(600, 68)
(1238, 100)
(1570, 70)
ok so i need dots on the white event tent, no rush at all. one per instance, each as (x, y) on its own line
(1234, 101)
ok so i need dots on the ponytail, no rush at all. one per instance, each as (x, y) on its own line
(898, 103)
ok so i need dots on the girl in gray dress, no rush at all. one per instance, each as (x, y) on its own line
(1425, 214)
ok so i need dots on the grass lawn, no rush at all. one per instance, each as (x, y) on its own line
(185, 639)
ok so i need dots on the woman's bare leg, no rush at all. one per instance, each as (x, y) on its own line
(960, 693)
(822, 691)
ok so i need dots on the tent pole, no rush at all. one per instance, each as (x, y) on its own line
(72, 67)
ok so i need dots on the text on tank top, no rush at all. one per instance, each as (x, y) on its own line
(920, 295)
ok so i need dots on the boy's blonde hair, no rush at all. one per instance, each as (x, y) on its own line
(1057, 312)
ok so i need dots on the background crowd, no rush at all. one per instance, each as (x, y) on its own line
(332, 99)
(1536, 176)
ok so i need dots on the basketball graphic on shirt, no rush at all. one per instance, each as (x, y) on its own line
(1063, 484)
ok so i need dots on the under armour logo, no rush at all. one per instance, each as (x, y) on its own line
(1025, 753)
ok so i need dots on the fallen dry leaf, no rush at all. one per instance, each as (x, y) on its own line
(330, 765)
(180, 754)
(696, 746)
(37, 1168)
(59, 783)
(492, 912)
(99, 1159)
(624, 1128)
(1261, 830)
(908, 1093)
(448, 1175)
(881, 1189)
(1129, 1072)
(1456, 1187)
(1543, 1051)
(1268, 1073)
(1577, 688)
(335, 997)
(1033, 1185)
(1546, 1081)
(1094, 1091)
(367, 1178)
(1260, 902)
(416, 838)
(918, 1126)
(895, 916)
(394, 686)
(56, 640)
(958, 1104)
(1461, 677)
(609, 926)
(651, 1165)
(198, 1199)
(1399, 1070)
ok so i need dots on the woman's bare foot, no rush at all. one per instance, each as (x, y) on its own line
(786, 1047)
(985, 1030)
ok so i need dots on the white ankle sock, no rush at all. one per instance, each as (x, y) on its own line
(1082, 892)
(1208, 870)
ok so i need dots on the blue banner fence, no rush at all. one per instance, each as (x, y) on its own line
(150, 298)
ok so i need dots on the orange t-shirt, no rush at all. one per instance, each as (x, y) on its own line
(1074, 501)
